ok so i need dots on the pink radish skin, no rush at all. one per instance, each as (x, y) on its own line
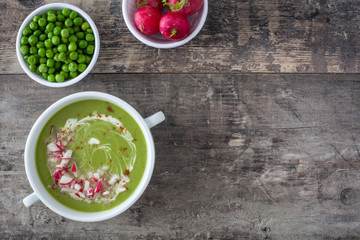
(73, 169)
(154, 3)
(174, 26)
(147, 20)
(190, 7)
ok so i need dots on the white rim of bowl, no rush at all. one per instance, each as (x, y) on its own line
(66, 83)
(86, 216)
(170, 44)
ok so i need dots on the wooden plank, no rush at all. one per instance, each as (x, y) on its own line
(239, 36)
(239, 157)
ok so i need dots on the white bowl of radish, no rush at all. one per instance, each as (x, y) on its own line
(42, 193)
(165, 23)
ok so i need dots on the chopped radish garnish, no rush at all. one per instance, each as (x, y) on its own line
(105, 168)
(67, 154)
(77, 186)
(105, 193)
(52, 129)
(73, 169)
(98, 187)
(96, 175)
(63, 163)
(113, 179)
(57, 176)
(53, 148)
(59, 144)
(69, 139)
(86, 185)
(66, 179)
(94, 179)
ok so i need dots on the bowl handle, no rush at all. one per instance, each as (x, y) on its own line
(30, 200)
(155, 119)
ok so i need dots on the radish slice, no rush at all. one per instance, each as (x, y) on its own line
(113, 179)
(105, 193)
(77, 186)
(67, 154)
(66, 179)
(86, 185)
(105, 168)
(53, 148)
(98, 187)
(96, 175)
(63, 163)
(94, 179)
(51, 129)
(73, 169)
(57, 176)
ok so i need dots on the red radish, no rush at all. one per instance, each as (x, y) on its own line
(94, 179)
(98, 187)
(57, 176)
(63, 163)
(185, 7)
(154, 3)
(174, 26)
(73, 169)
(53, 148)
(67, 154)
(147, 19)
(66, 179)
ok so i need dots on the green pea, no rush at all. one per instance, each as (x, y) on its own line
(65, 68)
(62, 48)
(57, 31)
(51, 78)
(42, 22)
(32, 60)
(38, 71)
(33, 50)
(24, 50)
(72, 67)
(83, 44)
(73, 38)
(37, 33)
(51, 18)
(62, 56)
(34, 26)
(32, 67)
(51, 70)
(64, 40)
(49, 53)
(50, 27)
(68, 22)
(65, 74)
(73, 55)
(26, 58)
(71, 30)
(24, 40)
(67, 61)
(66, 12)
(59, 24)
(50, 63)
(81, 58)
(55, 40)
(27, 31)
(77, 29)
(55, 50)
(88, 59)
(65, 33)
(80, 51)
(42, 37)
(42, 52)
(50, 12)
(61, 17)
(43, 60)
(73, 14)
(40, 44)
(33, 40)
(57, 65)
(78, 21)
(59, 78)
(81, 67)
(50, 35)
(44, 75)
(56, 57)
(85, 26)
(73, 74)
(72, 47)
(80, 35)
(48, 43)
(36, 18)
(43, 15)
(90, 49)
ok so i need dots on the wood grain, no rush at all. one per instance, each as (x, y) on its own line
(239, 36)
(239, 157)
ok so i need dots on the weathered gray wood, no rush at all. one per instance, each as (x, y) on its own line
(239, 36)
(239, 157)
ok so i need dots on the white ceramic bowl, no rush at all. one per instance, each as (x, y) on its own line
(157, 40)
(40, 192)
(55, 7)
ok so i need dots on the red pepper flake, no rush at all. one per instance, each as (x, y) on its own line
(90, 115)
(110, 160)
(108, 130)
(77, 147)
(82, 147)
(78, 114)
(99, 116)
(80, 142)
(125, 149)
(114, 128)
(117, 123)
(122, 128)
(110, 109)
(134, 140)
(106, 115)
(104, 134)
(127, 172)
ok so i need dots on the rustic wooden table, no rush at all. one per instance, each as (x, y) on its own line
(262, 136)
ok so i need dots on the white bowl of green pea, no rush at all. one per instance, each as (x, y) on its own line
(58, 44)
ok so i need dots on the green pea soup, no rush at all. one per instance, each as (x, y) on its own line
(80, 110)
